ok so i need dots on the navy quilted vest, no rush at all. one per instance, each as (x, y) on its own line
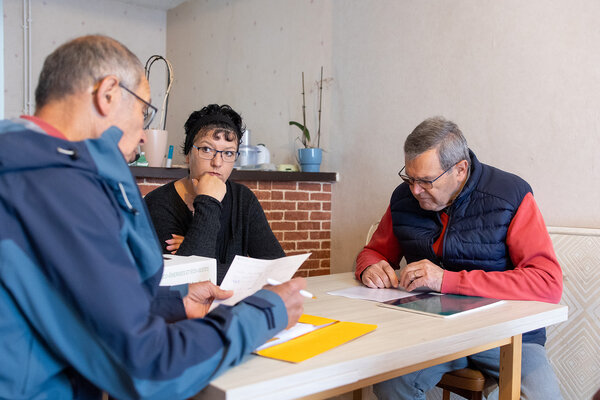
(478, 221)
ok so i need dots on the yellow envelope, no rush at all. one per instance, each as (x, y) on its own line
(317, 341)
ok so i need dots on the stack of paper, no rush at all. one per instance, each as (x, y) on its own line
(180, 270)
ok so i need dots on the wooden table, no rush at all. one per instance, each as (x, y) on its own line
(402, 343)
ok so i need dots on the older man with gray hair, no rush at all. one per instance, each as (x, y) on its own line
(464, 228)
(80, 306)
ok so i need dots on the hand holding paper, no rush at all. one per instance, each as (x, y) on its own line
(293, 300)
(248, 275)
(303, 292)
(200, 296)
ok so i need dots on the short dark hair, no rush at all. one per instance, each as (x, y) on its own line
(213, 117)
(81, 62)
(441, 134)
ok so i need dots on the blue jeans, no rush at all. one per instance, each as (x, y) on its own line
(538, 380)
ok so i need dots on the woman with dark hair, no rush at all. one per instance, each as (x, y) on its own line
(204, 213)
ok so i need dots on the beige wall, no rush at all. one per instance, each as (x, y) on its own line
(250, 54)
(53, 22)
(520, 78)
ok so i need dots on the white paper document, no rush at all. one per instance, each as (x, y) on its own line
(248, 275)
(366, 293)
(180, 270)
(288, 334)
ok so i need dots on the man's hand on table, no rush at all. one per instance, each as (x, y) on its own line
(421, 273)
(418, 274)
(379, 276)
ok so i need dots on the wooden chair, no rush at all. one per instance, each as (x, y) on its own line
(467, 382)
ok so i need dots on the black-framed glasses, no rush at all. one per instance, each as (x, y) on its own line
(424, 183)
(208, 153)
(149, 111)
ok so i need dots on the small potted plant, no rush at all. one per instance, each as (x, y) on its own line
(310, 156)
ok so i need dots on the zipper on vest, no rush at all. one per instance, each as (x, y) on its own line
(449, 214)
(434, 258)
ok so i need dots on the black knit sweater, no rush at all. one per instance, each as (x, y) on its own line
(249, 233)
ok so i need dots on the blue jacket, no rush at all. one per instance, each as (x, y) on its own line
(478, 222)
(80, 307)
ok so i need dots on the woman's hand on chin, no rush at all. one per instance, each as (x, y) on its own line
(209, 185)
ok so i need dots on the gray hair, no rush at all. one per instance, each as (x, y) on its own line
(81, 62)
(441, 134)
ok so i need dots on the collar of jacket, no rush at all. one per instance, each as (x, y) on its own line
(472, 181)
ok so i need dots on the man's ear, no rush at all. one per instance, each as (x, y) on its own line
(107, 94)
(462, 168)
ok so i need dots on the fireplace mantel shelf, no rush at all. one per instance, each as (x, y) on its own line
(240, 175)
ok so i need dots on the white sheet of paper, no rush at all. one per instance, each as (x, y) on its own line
(366, 293)
(248, 275)
(288, 334)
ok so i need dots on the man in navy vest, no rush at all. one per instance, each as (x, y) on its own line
(464, 228)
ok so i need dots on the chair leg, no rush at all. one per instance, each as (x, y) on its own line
(473, 396)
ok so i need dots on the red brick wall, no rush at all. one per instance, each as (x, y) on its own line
(299, 214)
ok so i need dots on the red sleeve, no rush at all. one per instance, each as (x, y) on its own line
(383, 246)
(537, 274)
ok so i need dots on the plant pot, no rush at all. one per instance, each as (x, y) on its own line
(310, 159)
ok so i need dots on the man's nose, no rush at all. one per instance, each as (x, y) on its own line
(416, 189)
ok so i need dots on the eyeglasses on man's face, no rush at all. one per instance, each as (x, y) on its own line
(424, 183)
(149, 110)
(208, 153)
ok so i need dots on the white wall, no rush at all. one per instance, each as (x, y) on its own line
(520, 78)
(54, 22)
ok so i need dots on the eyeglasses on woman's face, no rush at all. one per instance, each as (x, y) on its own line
(208, 153)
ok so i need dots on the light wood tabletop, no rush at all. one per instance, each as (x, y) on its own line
(402, 343)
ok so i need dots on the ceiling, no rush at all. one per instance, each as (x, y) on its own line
(156, 4)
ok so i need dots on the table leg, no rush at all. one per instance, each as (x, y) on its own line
(510, 369)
